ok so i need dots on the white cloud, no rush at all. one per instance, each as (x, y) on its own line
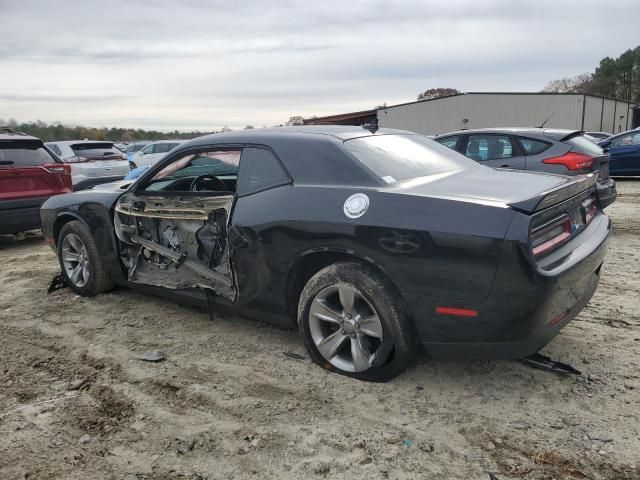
(205, 64)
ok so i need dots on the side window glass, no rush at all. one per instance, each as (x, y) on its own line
(489, 147)
(146, 150)
(206, 171)
(450, 142)
(55, 149)
(533, 147)
(259, 170)
(626, 140)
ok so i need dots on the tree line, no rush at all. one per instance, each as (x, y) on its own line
(613, 77)
(57, 132)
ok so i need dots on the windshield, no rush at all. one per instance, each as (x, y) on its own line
(222, 164)
(394, 158)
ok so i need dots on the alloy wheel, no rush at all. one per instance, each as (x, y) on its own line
(345, 328)
(75, 260)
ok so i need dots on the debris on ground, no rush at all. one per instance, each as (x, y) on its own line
(57, 282)
(84, 382)
(295, 356)
(153, 356)
(84, 439)
(543, 362)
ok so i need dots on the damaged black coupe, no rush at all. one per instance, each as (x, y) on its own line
(371, 242)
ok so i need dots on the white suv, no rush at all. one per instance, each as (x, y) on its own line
(153, 152)
(92, 162)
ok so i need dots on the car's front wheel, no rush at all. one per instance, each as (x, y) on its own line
(353, 323)
(80, 261)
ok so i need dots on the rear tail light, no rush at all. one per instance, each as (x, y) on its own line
(550, 236)
(572, 160)
(57, 168)
(77, 159)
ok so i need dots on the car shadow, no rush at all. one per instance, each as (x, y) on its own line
(20, 240)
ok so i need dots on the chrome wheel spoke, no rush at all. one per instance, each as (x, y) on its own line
(347, 298)
(361, 357)
(85, 272)
(70, 256)
(320, 309)
(75, 242)
(330, 345)
(371, 326)
(75, 274)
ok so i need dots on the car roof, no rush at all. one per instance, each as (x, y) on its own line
(257, 135)
(554, 133)
(8, 134)
(164, 141)
(621, 134)
(74, 142)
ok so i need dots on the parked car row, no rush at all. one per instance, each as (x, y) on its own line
(29, 175)
(371, 242)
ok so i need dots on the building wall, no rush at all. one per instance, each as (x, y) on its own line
(593, 114)
(481, 110)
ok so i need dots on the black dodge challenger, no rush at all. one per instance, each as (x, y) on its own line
(371, 241)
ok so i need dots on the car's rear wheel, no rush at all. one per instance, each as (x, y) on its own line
(80, 261)
(353, 323)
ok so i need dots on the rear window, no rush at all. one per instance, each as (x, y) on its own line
(581, 144)
(79, 147)
(24, 154)
(97, 149)
(533, 147)
(402, 157)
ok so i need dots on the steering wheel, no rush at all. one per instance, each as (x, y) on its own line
(217, 184)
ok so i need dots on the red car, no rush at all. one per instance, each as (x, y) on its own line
(29, 174)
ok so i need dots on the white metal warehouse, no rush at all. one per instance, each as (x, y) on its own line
(485, 109)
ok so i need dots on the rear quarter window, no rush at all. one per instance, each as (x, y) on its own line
(531, 146)
(259, 170)
(24, 154)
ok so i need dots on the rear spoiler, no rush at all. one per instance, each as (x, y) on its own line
(573, 187)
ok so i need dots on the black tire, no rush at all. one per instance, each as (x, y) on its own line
(99, 280)
(396, 350)
(132, 165)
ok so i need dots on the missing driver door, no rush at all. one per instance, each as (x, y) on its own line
(174, 227)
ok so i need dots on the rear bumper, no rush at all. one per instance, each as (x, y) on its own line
(607, 192)
(90, 182)
(526, 308)
(20, 215)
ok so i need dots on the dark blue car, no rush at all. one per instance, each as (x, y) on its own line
(624, 151)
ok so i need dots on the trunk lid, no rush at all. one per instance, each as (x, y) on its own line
(515, 188)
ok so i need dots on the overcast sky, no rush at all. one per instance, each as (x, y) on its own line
(203, 64)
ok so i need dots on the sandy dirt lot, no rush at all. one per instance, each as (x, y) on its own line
(227, 403)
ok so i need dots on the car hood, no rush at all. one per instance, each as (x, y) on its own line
(487, 185)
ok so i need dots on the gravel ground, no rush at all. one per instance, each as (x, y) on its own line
(76, 402)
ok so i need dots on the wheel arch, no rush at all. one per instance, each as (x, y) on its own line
(312, 261)
(62, 219)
